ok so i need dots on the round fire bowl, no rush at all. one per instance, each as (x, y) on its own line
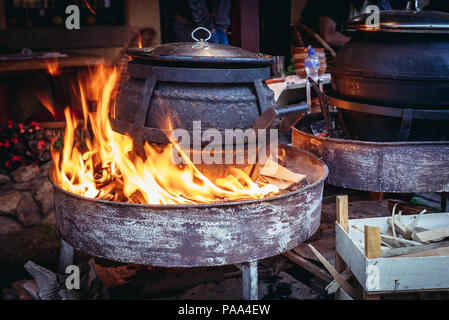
(196, 235)
(396, 167)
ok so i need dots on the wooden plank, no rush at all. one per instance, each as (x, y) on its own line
(3, 102)
(343, 212)
(372, 242)
(41, 64)
(414, 250)
(352, 255)
(440, 252)
(309, 266)
(342, 282)
(2, 15)
(370, 296)
(246, 24)
(376, 196)
(432, 235)
(62, 38)
(342, 220)
(412, 273)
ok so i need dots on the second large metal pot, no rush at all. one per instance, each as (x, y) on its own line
(402, 62)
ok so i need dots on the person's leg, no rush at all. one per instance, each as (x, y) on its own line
(222, 12)
(222, 37)
(221, 19)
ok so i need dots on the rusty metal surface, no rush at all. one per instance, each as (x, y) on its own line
(406, 21)
(140, 70)
(217, 105)
(369, 122)
(196, 235)
(400, 167)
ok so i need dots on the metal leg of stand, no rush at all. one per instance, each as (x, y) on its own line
(250, 280)
(309, 96)
(65, 256)
(444, 203)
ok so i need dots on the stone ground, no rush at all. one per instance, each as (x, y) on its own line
(279, 278)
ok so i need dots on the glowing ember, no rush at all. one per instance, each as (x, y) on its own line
(104, 166)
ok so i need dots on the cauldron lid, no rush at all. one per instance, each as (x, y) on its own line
(200, 53)
(405, 21)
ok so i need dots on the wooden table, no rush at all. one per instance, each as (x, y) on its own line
(9, 69)
(73, 61)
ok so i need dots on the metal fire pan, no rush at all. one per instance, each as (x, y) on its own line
(196, 235)
(396, 167)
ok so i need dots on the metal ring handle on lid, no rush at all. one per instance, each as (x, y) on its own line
(413, 5)
(201, 40)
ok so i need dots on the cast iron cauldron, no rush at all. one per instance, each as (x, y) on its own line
(174, 85)
(221, 86)
(403, 63)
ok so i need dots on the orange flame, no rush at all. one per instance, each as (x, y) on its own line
(104, 165)
(45, 100)
(53, 67)
(86, 2)
(139, 38)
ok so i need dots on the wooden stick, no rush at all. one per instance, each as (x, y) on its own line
(309, 266)
(414, 249)
(334, 286)
(354, 294)
(343, 221)
(393, 239)
(404, 241)
(393, 230)
(414, 224)
(400, 228)
(372, 242)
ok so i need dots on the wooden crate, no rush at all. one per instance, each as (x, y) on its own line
(395, 274)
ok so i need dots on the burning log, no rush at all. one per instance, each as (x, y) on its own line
(275, 170)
